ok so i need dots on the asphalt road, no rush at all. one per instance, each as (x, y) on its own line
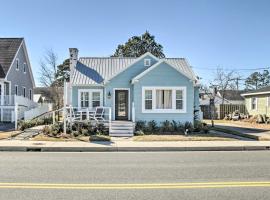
(158, 175)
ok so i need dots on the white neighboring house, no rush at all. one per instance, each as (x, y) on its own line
(16, 79)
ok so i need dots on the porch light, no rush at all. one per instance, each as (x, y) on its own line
(109, 95)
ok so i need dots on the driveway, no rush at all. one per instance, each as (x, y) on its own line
(246, 129)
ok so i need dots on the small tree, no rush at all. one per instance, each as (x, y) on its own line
(223, 81)
(48, 77)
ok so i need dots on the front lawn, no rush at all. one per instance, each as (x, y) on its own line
(8, 134)
(192, 137)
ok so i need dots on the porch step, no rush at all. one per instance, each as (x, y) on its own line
(121, 129)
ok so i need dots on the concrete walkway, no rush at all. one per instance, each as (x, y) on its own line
(255, 133)
(128, 145)
(28, 133)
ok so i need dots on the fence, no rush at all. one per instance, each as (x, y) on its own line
(42, 108)
(222, 110)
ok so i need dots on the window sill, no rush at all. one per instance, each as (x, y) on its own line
(164, 111)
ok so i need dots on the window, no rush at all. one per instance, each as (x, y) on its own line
(164, 100)
(17, 64)
(84, 99)
(148, 99)
(90, 98)
(179, 99)
(253, 103)
(147, 62)
(24, 67)
(30, 94)
(16, 89)
(24, 92)
(95, 99)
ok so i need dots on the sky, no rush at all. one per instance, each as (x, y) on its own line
(231, 34)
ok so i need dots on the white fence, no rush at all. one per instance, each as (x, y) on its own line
(39, 110)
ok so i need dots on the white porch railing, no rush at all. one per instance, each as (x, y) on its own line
(10, 100)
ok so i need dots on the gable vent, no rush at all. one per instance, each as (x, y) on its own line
(147, 62)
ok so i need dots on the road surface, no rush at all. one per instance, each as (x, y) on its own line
(144, 175)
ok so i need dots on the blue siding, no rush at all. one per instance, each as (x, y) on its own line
(123, 80)
(164, 75)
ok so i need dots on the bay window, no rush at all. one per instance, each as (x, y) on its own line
(163, 99)
(89, 98)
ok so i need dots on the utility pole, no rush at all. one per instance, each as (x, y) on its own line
(212, 104)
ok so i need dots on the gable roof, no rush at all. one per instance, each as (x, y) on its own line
(8, 50)
(232, 95)
(178, 64)
(264, 90)
(99, 70)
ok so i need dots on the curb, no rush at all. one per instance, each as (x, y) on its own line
(130, 149)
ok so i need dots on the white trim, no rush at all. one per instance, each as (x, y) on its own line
(114, 89)
(24, 67)
(17, 87)
(90, 96)
(173, 110)
(267, 101)
(134, 62)
(145, 62)
(256, 93)
(136, 78)
(256, 103)
(24, 92)
(17, 67)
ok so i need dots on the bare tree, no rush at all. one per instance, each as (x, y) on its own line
(223, 81)
(48, 77)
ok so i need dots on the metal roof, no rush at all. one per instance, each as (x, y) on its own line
(264, 90)
(8, 50)
(95, 70)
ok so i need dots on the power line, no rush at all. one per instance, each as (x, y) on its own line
(235, 69)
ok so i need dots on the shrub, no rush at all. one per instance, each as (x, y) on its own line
(198, 126)
(152, 127)
(139, 133)
(140, 126)
(166, 126)
(84, 132)
(188, 127)
(75, 133)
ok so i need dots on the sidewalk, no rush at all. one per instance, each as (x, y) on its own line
(122, 145)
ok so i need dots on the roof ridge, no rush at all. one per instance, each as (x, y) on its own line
(101, 57)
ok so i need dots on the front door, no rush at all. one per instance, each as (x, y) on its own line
(121, 104)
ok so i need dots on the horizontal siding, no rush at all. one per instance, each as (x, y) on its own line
(262, 107)
(164, 75)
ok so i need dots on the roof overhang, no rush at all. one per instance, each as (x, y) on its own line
(255, 93)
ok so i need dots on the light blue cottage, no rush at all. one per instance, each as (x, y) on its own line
(145, 88)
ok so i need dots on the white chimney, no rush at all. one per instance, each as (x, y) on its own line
(73, 58)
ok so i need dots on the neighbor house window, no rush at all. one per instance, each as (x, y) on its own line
(30, 94)
(253, 103)
(90, 98)
(24, 92)
(16, 89)
(147, 62)
(24, 67)
(95, 99)
(164, 99)
(17, 64)
(148, 99)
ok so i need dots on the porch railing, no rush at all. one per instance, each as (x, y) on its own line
(10, 100)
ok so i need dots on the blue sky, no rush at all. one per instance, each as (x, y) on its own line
(233, 34)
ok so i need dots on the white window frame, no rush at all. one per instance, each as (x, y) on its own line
(30, 94)
(147, 62)
(90, 91)
(173, 109)
(256, 103)
(24, 67)
(24, 92)
(17, 64)
(17, 90)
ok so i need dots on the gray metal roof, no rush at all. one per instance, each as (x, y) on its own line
(8, 49)
(95, 70)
